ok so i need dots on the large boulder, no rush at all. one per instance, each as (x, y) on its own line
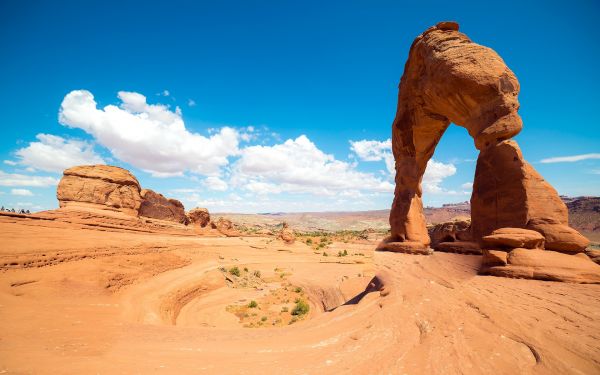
(99, 186)
(559, 237)
(547, 265)
(511, 238)
(155, 205)
(199, 216)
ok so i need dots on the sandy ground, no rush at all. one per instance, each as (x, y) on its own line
(100, 299)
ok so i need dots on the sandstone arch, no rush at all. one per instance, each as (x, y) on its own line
(450, 79)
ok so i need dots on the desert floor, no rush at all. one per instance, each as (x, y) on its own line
(84, 299)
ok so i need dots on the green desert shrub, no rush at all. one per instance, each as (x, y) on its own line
(234, 271)
(301, 307)
(253, 304)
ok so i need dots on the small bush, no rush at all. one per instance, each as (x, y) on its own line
(264, 319)
(298, 289)
(309, 241)
(325, 254)
(245, 269)
(234, 271)
(253, 304)
(257, 273)
(301, 308)
(284, 309)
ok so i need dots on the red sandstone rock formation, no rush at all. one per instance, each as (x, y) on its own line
(286, 234)
(101, 187)
(155, 205)
(199, 216)
(449, 79)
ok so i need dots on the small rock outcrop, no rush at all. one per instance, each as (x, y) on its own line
(100, 187)
(225, 226)
(286, 234)
(199, 216)
(451, 231)
(156, 206)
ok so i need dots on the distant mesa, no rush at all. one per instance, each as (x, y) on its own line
(450, 79)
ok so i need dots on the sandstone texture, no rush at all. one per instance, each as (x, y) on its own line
(199, 216)
(451, 231)
(100, 186)
(155, 205)
(450, 79)
(512, 238)
(459, 247)
(548, 265)
(408, 247)
(508, 192)
(559, 236)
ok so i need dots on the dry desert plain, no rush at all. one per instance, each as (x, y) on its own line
(88, 293)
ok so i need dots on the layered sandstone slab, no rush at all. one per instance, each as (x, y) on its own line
(513, 238)
(100, 186)
(155, 205)
(559, 236)
(547, 265)
(408, 247)
(459, 247)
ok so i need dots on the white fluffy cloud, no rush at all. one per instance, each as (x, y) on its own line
(215, 183)
(148, 136)
(571, 158)
(298, 166)
(54, 154)
(375, 151)
(21, 192)
(14, 179)
(435, 173)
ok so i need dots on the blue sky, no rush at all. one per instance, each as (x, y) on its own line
(252, 106)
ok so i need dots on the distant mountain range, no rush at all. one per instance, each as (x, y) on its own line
(584, 215)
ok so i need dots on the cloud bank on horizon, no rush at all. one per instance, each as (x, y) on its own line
(228, 169)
